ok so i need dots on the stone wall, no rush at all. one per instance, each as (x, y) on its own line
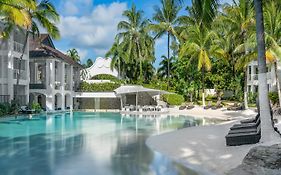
(99, 103)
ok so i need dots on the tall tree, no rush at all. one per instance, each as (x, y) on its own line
(200, 46)
(15, 13)
(73, 53)
(89, 62)
(136, 43)
(266, 123)
(240, 18)
(167, 21)
(46, 16)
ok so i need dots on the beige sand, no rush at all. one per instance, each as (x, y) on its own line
(203, 148)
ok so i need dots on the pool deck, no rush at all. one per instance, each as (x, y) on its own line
(203, 148)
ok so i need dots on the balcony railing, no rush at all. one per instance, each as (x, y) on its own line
(67, 87)
(18, 47)
(254, 77)
(4, 98)
(22, 74)
(37, 86)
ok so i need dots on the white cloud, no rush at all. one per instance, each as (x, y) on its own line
(70, 8)
(82, 53)
(96, 30)
(73, 7)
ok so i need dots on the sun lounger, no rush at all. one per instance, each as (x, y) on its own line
(245, 130)
(208, 106)
(251, 120)
(235, 139)
(182, 107)
(190, 106)
(246, 125)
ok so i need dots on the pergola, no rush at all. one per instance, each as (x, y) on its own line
(136, 89)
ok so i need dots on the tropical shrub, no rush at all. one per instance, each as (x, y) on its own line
(173, 99)
(36, 106)
(98, 87)
(252, 97)
(104, 77)
(5, 108)
(273, 96)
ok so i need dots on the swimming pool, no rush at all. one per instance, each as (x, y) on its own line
(83, 143)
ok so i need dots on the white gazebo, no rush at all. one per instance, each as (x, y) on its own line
(136, 90)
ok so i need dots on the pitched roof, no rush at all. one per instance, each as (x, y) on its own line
(42, 46)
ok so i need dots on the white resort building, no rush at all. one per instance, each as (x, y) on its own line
(10, 52)
(252, 78)
(54, 76)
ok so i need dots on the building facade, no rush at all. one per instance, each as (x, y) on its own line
(54, 76)
(252, 77)
(10, 53)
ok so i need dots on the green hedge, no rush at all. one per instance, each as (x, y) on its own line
(104, 77)
(98, 87)
(173, 99)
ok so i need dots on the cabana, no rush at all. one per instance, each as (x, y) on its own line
(136, 94)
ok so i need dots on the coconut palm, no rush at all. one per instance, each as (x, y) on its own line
(266, 123)
(137, 44)
(14, 13)
(73, 53)
(200, 46)
(46, 16)
(240, 18)
(272, 22)
(166, 66)
(167, 21)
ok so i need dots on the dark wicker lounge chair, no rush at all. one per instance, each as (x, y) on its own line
(182, 107)
(246, 125)
(235, 139)
(251, 120)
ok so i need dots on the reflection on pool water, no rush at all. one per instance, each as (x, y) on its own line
(86, 144)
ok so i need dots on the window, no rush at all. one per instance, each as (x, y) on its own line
(250, 70)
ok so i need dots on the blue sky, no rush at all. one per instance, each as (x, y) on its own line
(90, 25)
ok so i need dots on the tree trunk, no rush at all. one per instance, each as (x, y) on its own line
(245, 89)
(168, 60)
(141, 74)
(277, 83)
(266, 122)
(20, 61)
(203, 87)
(119, 70)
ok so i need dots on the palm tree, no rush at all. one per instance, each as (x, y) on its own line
(266, 123)
(14, 13)
(136, 43)
(73, 53)
(240, 18)
(89, 62)
(166, 66)
(272, 22)
(200, 46)
(167, 21)
(46, 16)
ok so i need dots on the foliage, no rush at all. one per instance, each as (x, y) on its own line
(273, 97)
(173, 99)
(104, 77)
(73, 53)
(252, 98)
(36, 106)
(98, 87)
(8, 108)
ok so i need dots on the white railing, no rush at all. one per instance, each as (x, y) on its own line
(254, 77)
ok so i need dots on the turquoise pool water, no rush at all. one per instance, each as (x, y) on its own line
(87, 144)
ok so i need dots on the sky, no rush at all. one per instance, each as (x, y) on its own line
(90, 26)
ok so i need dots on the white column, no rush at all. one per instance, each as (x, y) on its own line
(52, 73)
(62, 78)
(71, 78)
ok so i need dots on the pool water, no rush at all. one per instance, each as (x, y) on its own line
(87, 144)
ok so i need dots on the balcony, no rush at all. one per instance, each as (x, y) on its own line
(37, 86)
(18, 47)
(22, 74)
(4, 98)
(67, 87)
(254, 77)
